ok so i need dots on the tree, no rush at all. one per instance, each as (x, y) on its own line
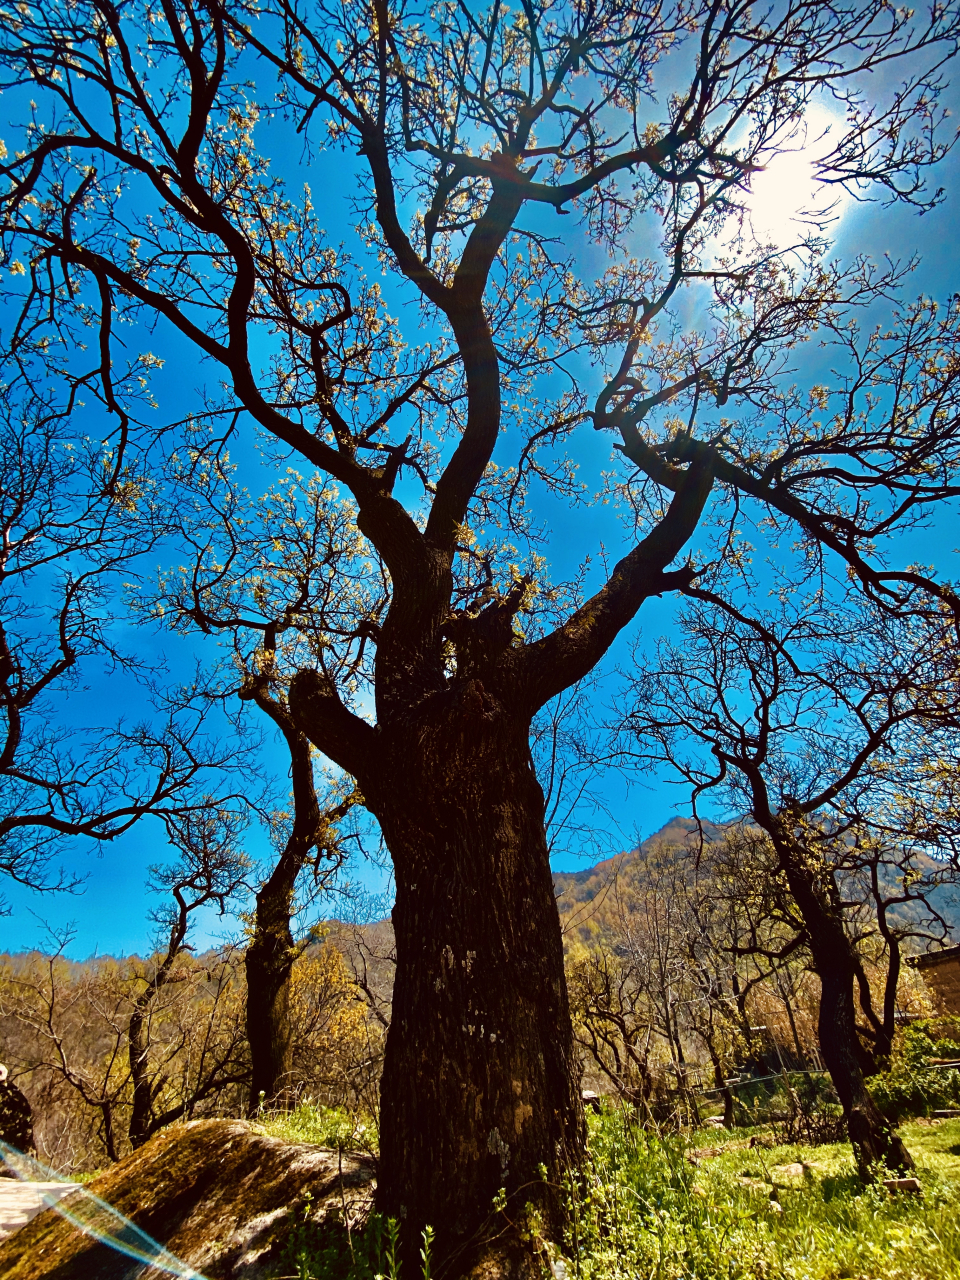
(267, 578)
(211, 870)
(74, 521)
(254, 567)
(338, 1045)
(801, 718)
(142, 183)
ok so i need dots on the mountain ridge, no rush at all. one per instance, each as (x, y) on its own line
(675, 832)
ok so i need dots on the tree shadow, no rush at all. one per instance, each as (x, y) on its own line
(841, 1185)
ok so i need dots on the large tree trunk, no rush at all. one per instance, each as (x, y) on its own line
(481, 1081)
(874, 1142)
(269, 964)
(480, 1095)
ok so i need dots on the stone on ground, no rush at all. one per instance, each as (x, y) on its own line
(217, 1193)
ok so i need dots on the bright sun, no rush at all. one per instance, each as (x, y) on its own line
(786, 200)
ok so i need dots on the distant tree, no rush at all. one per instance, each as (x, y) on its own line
(76, 519)
(139, 190)
(803, 719)
(211, 870)
(678, 960)
(612, 1024)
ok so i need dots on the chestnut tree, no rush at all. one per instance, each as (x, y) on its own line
(541, 233)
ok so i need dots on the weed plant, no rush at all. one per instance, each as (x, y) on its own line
(327, 1251)
(323, 1126)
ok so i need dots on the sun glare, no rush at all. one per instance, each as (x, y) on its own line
(787, 201)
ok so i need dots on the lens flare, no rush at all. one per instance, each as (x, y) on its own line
(97, 1219)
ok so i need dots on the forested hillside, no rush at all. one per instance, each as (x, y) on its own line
(576, 890)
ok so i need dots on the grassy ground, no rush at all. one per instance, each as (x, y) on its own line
(323, 1126)
(740, 1213)
(711, 1206)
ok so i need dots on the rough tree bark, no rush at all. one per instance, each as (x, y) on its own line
(480, 1073)
(480, 1078)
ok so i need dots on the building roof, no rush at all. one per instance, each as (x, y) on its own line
(932, 958)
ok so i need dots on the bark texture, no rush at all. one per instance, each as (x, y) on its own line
(269, 964)
(480, 1080)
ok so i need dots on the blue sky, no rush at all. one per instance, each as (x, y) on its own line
(110, 915)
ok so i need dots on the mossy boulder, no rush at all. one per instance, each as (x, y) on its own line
(219, 1194)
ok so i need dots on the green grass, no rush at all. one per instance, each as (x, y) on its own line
(323, 1126)
(645, 1210)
